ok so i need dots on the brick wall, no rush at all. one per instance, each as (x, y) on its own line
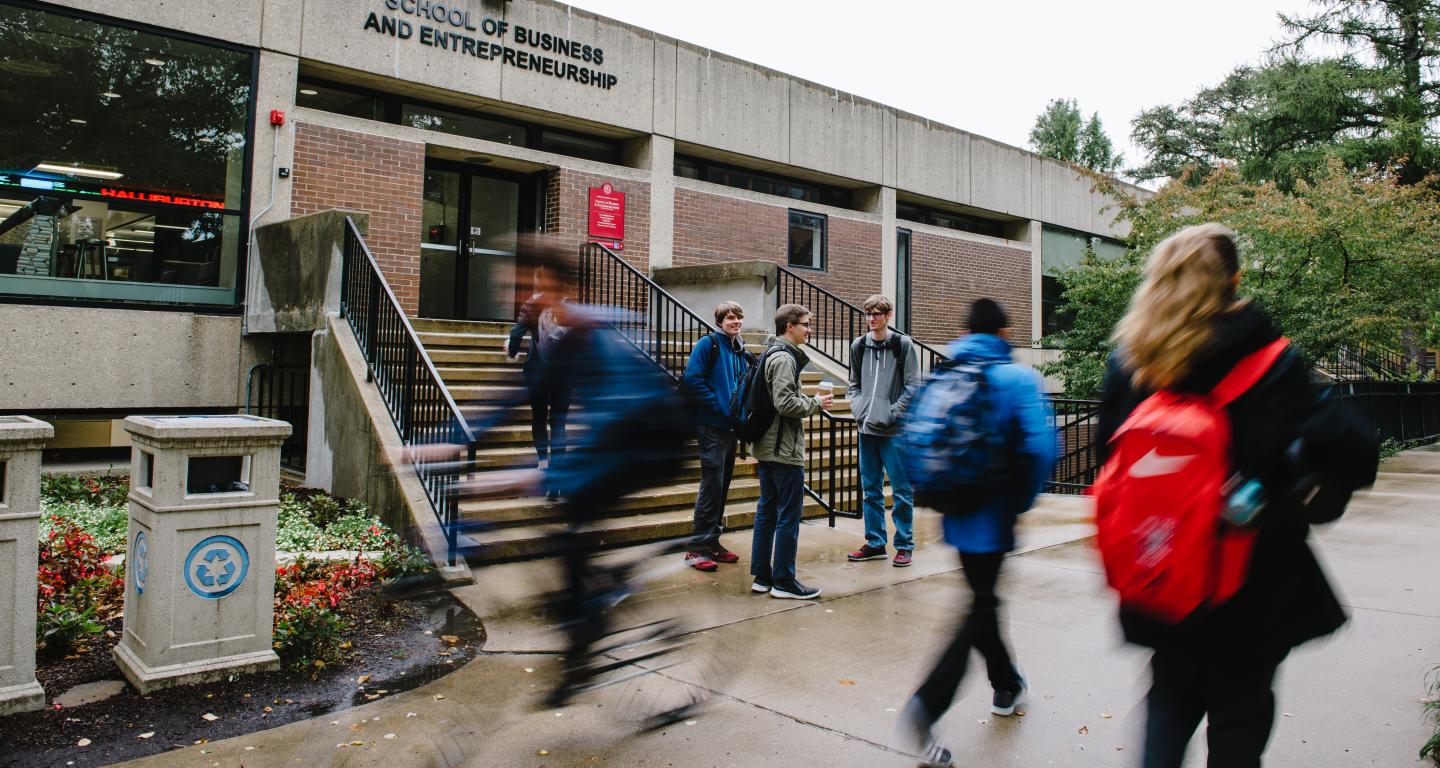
(948, 273)
(711, 228)
(567, 211)
(345, 169)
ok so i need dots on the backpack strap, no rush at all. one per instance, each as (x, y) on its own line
(1247, 372)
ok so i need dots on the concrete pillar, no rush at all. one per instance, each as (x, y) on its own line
(889, 264)
(656, 154)
(200, 573)
(21, 439)
(1037, 271)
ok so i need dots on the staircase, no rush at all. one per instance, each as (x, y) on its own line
(468, 358)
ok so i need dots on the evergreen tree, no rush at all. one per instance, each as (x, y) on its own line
(1096, 151)
(1060, 132)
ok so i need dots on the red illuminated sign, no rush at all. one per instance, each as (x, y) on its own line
(157, 197)
(607, 213)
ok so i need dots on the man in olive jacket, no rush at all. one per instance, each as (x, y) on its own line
(781, 453)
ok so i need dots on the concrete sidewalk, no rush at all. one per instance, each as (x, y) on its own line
(818, 683)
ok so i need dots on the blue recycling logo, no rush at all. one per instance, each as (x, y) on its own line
(216, 567)
(140, 561)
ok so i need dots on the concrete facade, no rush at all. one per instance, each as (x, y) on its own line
(21, 439)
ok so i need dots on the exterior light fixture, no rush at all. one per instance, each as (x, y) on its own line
(75, 170)
(309, 92)
(155, 62)
(110, 95)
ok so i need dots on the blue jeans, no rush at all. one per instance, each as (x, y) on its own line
(877, 454)
(777, 522)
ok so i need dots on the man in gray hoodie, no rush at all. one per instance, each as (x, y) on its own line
(884, 372)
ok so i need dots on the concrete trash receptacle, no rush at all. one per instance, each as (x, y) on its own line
(21, 439)
(200, 567)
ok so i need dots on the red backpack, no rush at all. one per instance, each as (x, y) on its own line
(1159, 497)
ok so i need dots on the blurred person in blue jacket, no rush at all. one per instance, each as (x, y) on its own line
(713, 373)
(983, 537)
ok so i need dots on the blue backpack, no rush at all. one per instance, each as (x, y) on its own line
(955, 452)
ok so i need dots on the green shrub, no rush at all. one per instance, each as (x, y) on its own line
(358, 532)
(60, 626)
(1432, 713)
(99, 490)
(294, 531)
(308, 635)
(107, 525)
(404, 560)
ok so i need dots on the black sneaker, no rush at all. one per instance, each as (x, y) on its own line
(761, 586)
(794, 591)
(1006, 702)
(935, 756)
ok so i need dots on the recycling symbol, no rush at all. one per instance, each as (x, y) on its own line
(140, 561)
(216, 567)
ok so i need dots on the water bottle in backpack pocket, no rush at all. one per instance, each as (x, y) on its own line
(955, 449)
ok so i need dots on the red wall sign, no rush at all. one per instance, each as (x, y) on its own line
(607, 213)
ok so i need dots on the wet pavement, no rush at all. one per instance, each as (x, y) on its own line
(819, 682)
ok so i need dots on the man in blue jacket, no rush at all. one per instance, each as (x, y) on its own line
(983, 537)
(716, 367)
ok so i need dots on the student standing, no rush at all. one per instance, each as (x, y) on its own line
(781, 455)
(716, 367)
(549, 403)
(884, 372)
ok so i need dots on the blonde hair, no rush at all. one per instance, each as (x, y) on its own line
(1188, 283)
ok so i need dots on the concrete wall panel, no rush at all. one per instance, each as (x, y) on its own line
(926, 158)
(836, 133)
(731, 105)
(665, 95)
(999, 177)
(79, 357)
(234, 22)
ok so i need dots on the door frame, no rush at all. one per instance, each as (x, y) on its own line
(528, 218)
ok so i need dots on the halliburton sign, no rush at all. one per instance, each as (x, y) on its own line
(607, 213)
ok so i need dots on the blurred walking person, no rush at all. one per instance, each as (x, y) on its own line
(1006, 414)
(713, 374)
(1190, 343)
(549, 403)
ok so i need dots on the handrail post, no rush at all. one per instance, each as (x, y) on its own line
(407, 394)
(372, 339)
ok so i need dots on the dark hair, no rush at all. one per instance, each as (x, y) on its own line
(548, 254)
(726, 308)
(986, 316)
(787, 315)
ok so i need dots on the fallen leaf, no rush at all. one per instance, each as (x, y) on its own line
(389, 735)
(347, 645)
(1106, 715)
(249, 749)
(268, 709)
(83, 743)
(409, 714)
(371, 696)
(363, 679)
(442, 653)
(357, 743)
(1084, 729)
(209, 695)
(543, 752)
(1286, 714)
(146, 735)
(689, 722)
(439, 696)
(287, 701)
(528, 670)
(451, 639)
(204, 751)
(209, 718)
(246, 696)
(847, 682)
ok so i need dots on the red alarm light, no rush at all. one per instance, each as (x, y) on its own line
(277, 117)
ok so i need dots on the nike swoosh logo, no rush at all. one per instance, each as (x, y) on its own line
(1153, 464)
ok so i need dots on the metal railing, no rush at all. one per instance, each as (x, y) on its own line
(1368, 362)
(1076, 423)
(282, 392)
(415, 396)
(1403, 411)
(658, 325)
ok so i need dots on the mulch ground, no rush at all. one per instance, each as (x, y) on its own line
(396, 640)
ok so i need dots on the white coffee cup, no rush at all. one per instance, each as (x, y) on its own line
(826, 388)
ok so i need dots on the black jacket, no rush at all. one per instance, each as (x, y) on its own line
(1286, 600)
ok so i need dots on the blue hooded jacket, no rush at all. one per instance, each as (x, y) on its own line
(711, 386)
(1017, 400)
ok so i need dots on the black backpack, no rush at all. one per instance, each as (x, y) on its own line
(758, 412)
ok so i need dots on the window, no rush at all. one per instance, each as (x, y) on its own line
(902, 279)
(1062, 248)
(717, 173)
(122, 162)
(949, 219)
(807, 240)
(388, 108)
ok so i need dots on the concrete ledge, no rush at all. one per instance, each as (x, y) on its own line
(148, 679)
(26, 697)
(704, 273)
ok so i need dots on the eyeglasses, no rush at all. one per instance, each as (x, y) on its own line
(806, 324)
(876, 314)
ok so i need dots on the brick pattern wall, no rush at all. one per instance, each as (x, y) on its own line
(567, 211)
(711, 229)
(948, 273)
(345, 169)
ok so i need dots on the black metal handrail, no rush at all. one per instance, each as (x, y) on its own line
(282, 392)
(658, 325)
(415, 396)
(835, 322)
(1076, 423)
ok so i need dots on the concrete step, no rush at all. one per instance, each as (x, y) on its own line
(438, 325)
(536, 540)
(447, 340)
(491, 374)
(472, 356)
(466, 394)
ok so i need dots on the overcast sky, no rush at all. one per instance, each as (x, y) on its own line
(988, 67)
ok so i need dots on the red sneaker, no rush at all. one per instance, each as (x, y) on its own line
(700, 561)
(866, 552)
(723, 555)
(902, 558)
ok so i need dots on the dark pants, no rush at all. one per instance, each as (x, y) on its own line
(717, 466)
(777, 522)
(549, 408)
(1189, 683)
(979, 630)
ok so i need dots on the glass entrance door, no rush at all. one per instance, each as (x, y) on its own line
(470, 224)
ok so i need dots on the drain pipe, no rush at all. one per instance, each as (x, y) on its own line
(250, 273)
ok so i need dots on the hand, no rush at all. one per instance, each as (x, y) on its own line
(825, 401)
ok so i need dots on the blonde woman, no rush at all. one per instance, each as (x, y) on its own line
(1186, 328)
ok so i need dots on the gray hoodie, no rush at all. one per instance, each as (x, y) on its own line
(879, 390)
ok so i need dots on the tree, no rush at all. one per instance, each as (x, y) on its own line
(1061, 133)
(1374, 103)
(1347, 259)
